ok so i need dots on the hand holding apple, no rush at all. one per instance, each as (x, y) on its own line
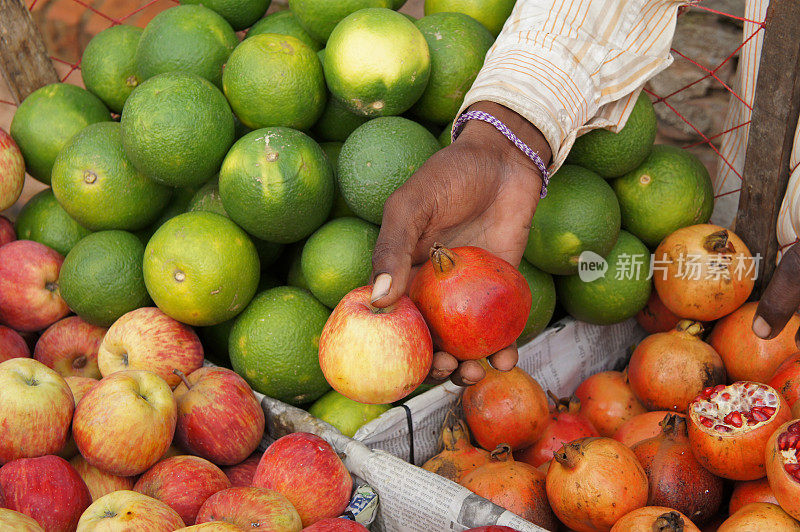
(219, 418)
(125, 423)
(47, 489)
(129, 510)
(36, 411)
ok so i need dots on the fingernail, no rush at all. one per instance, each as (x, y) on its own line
(381, 287)
(761, 327)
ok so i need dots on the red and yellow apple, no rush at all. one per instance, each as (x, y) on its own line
(320, 488)
(373, 355)
(212, 526)
(12, 345)
(12, 171)
(146, 338)
(125, 423)
(78, 386)
(184, 483)
(47, 489)
(29, 296)
(129, 511)
(99, 482)
(336, 524)
(70, 347)
(242, 474)
(18, 522)
(219, 418)
(36, 408)
(7, 233)
(251, 509)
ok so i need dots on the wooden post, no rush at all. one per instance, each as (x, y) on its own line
(23, 57)
(775, 110)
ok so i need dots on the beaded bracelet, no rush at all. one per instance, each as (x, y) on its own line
(502, 128)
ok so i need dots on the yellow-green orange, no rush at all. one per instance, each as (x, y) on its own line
(543, 300)
(669, 190)
(99, 187)
(294, 273)
(101, 278)
(274, 345)
(336, 122)
(340, 208)
(284, 23)
(240, 14)
(108, 65)
(580, 213)
(275, 80)
(43, 220)
(379, 157)
(614, 154)
(48, 118)
(189, 38)
(337, 258)
(446, 136)
(619, 294)
(176, 129)
(457, 43)
(277, 184)
(178, 204)
(491, 13)
(319, 17)
(345, 414)
(377, 62)
(200, 268)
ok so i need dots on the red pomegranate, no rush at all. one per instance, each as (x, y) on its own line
(505, 407)
(457, 456)
(565, 424)
(746, 356)
(783, 466)
(676, 478)
(642, 427)
(748, 491)
(336, 524)
(705, 272)
(608, 401)
(593, 482)
(729, 427)
(787, 381)
(474, 302)
(515, 486)
(655, 317)
(667, 370)
(758, 517)
(654, 518)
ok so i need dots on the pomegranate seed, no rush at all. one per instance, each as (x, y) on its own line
(792, 469)
(726, 396)
(734, 418)
(707, 392)
(719, 387)
(723, 428)
(784, 441)
(792, 441)
(768, 410)
(794, 428)
(758, 415)
(706, 421)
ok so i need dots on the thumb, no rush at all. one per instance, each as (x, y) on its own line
(405, 217)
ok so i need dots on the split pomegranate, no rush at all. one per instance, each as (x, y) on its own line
(515, 486)
(474, 302)
(783, 466)
(760, 516)
(729, 427)
(655, 317)
(642, 427)
(457, 456)
(565, 424)
(676, 479)
(505, 407)
(749, 491)
(593, 482)
(787, 381)
(608, 401)
(654, 519)
(704, 272)
(667, 370)
(746, 356)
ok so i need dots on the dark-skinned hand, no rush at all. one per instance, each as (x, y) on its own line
(781, 298)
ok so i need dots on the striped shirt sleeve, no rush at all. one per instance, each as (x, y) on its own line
(570, 66)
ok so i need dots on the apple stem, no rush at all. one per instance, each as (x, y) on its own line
(182, 375)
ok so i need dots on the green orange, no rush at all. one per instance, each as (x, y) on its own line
(284, 23)
(491, 13)
(319, 17)
(43, 220)
(240, 14)
(108, 65)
